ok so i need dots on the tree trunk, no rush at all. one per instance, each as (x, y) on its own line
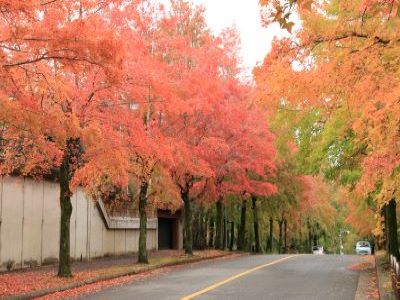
(270, 238)
(285, 235)
(142, 257)
(386, 227)
(280, 236)
(300, 247)
(64, 268)
(199, 232)
(392, 226)
(202, 231)
(219, 235)
(255, 223)
(211, 233)
(310, 237)
(242, 228)
(205, 229)
(232, 236)
(195, 227)
(188, 222)
(224, 241)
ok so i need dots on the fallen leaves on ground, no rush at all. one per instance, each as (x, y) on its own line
(373, 291)
(27, 281)
(367, 264)
(97, 286)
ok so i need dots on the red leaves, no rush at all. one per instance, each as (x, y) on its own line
(17, 283)
(144, 90)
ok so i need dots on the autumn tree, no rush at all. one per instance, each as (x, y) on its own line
(342, 63)
(148, 96)
(245, 160)
(193, 59)
(59, 98)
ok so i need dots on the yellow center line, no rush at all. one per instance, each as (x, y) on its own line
(218, 284)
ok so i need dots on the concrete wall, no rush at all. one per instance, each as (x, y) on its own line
(29, 225)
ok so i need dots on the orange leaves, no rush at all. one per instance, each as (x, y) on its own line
(361, 217)
(341, 64)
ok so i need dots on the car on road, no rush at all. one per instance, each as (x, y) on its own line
(363, 248)
(318, 250)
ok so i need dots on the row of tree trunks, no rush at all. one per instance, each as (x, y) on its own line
(221, 238)
(200, 229)
(224, 233)
(212, 229)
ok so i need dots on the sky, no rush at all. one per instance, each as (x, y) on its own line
(256, 40)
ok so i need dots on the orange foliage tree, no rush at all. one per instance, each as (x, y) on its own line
(59, 86)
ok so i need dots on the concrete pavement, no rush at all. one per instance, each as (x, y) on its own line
(250, 277)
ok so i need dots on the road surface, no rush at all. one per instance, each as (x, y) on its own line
(249, 277)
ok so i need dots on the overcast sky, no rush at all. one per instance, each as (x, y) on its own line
(256, 40)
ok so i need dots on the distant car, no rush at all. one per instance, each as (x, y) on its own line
(318, 250)
(363, 248)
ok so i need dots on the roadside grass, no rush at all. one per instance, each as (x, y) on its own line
(38, 282)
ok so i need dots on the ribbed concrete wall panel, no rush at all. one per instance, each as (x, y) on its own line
(30, 225)
(51, 222)
(12, 219)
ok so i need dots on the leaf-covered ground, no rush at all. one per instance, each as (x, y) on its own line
(384, 276)
(368, 287)
(28, 281)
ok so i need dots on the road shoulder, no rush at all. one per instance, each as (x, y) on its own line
(367, 287)
(384, 276)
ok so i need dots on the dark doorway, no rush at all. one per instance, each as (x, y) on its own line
(165, 233)
(168, 229)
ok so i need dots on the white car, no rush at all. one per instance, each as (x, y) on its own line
(318, 250)
(363, 248)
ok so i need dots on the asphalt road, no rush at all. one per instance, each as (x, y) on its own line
(250, 277)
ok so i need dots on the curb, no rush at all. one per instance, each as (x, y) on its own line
(385, 292)
(377, 277)
(365, 282)
(42, 293)
(362, 285)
